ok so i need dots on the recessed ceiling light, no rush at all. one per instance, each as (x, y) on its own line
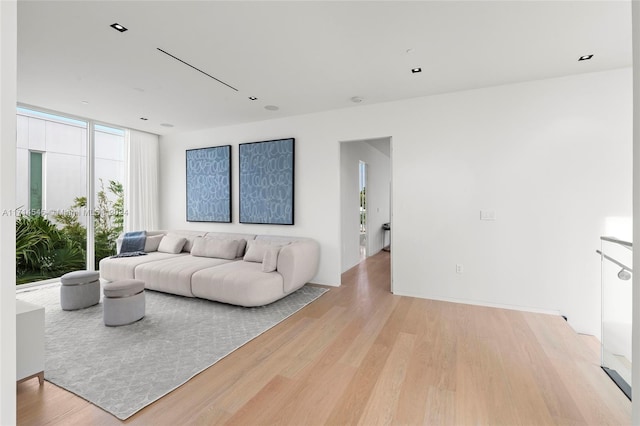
(357, 99)
(585, 57)
(416, 70)
(253, 98)
(271, 108)
(143, 118)
(84, 102)
(166, 125)
(118, 27)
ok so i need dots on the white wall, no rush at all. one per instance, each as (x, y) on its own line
(8, 65)
(378, 201)
(552, 158)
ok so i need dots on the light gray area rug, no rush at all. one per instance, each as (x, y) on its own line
(124, 369)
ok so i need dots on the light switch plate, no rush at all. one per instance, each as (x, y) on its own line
(487, 215)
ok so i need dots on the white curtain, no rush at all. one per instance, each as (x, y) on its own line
(141, 182)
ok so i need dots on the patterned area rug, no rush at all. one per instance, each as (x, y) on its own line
(124, 369)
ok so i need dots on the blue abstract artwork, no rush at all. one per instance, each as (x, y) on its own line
(209, 184)
(266, 182)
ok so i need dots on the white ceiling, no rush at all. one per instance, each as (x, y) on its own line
(303, 57)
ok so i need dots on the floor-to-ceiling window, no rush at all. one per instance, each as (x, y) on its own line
(56, 157)
(109, 172)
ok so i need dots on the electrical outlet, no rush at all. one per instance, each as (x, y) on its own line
(459, 268)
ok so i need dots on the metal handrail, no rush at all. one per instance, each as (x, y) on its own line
(623, 266)
(617, 241)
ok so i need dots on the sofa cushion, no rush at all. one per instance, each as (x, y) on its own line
(190, 236)
(171, 244)
(215, 247)
(242, 247)
(298, 263)
(152, 243)
(124, 267)
(242, 238)
(238, 283)
(242, 243)
(270, 259)
(257, 248)
(174, 275)
(280, 239)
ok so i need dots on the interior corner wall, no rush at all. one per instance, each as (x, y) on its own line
(552, 158)
(8, 79)
(378, 199)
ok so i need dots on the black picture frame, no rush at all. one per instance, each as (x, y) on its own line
(267, 182)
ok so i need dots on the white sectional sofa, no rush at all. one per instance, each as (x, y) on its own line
(239, 269)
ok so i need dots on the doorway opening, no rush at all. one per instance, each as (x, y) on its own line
(365, 200)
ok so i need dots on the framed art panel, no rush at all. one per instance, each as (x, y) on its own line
(209, 184)
(267, 182)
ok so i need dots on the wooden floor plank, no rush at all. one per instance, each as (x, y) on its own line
(382, 404)
(361, 355)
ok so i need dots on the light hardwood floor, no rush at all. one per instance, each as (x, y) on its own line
(360, 355)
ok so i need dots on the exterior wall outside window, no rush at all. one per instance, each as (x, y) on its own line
(64, 160)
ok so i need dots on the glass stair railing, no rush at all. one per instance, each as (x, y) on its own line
(616, 280)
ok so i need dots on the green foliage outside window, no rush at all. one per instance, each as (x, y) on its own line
(44, 250)
(363, 209)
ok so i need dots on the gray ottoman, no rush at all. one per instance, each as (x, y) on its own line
(123, 302)
(79, 289)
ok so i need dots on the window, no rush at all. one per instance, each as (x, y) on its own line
(35, 181)
(56, 157)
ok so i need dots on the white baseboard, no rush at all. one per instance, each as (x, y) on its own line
(488, 304)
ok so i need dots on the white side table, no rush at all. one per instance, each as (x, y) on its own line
(29, 341)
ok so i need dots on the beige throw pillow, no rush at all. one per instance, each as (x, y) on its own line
(171, 244)
(270, 259)
(215, 247)
(255, 250)
(242, 245)
(152, 243)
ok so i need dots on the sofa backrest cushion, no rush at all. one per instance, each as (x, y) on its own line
(149, 234)
(190, 236)
(242, 239)
(220, 248)
(256, 249)
(242, 247)
(171, 244)
(280, 239)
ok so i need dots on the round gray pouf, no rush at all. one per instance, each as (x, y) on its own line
(123, 302)
(79, 290)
